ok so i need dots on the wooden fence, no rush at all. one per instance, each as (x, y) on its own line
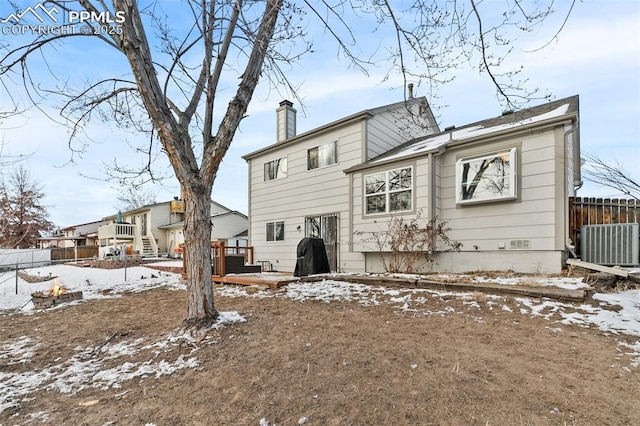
(598, 211)
(69, 253)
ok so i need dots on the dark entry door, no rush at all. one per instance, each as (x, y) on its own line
(325, 227)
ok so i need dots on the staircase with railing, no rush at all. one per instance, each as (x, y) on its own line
(149, 246)
(117, 234)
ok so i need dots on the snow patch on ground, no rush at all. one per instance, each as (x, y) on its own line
(111, 364)
(94, 283)
(104, 367)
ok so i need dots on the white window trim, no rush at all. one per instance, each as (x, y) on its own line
(513, 173)
(266, 234)
(335, 143)
(277, 177)
(388, 192)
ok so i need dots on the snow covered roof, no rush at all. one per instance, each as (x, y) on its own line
(513, 121)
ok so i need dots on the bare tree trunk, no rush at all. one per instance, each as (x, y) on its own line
(220, 29)
(197, 236)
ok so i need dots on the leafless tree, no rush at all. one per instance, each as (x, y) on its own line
(132, 198)
(23, 217)
(7, 159)
(610, 174)
(180, 65)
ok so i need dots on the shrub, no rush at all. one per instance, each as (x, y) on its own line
(409, 244)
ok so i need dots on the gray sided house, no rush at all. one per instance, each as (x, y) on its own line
(502, 185)
(298, 188)
(157, 229)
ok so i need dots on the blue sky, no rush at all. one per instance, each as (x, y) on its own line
(597, 56)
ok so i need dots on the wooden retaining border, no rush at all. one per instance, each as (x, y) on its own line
(275, 281)
(172, 269)
(577, 295)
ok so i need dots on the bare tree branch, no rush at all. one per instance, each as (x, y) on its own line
(610, 174)
(131, 198)
(169, 90)
(23, 218)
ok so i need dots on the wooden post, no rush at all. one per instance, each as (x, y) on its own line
(214, 264)
(221, 259)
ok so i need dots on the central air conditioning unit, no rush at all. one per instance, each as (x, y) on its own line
(612, 244)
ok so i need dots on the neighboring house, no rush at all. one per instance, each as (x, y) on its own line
(228, 226)
(502, 185)
(157, 229)
(85, 234)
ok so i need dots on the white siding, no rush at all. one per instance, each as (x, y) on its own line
(486, 230)
(390, 128)
(173, 238)
(227, 226)
(303, 193)
(223, 227)
(157, 216)
(532, 216)
(364, 225)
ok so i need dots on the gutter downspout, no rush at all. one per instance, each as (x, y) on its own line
(431, 189)
(575, 183)
(576, 165)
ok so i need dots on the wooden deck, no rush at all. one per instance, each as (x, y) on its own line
(274, 280)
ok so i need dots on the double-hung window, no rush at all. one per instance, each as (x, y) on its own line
(487, 178)
(322, 156)
(389, 192)
(275, 231)
(275, 169)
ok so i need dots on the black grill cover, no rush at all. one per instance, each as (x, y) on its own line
(312, 258)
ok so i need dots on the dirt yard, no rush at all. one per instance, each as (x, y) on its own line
(337, 363)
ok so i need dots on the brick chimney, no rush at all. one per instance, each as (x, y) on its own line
(286, 121)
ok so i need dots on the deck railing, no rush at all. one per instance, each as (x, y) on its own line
(219, 251)
(117, 231)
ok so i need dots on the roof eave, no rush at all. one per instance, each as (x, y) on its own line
(343, 121)
(528, 127)
(571, 117)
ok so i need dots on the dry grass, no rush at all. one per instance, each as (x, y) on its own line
(338, 363)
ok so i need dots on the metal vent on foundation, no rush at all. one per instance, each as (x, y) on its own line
(519, 244)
